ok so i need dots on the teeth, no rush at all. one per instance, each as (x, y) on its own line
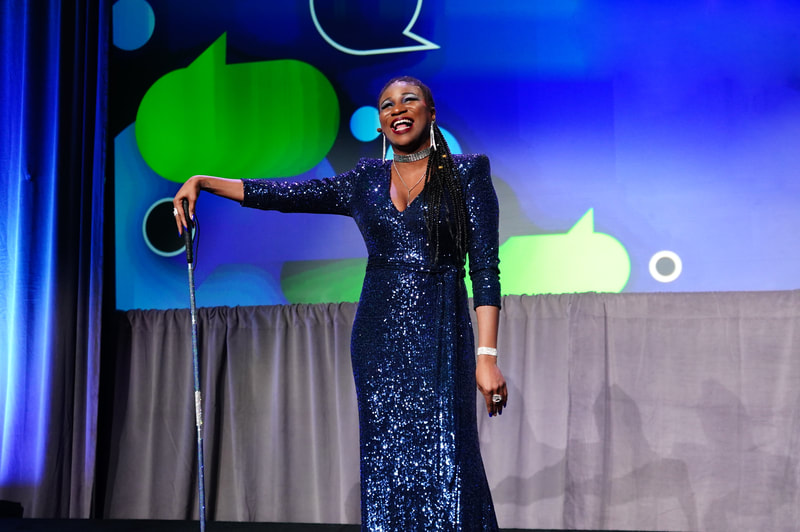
(402, 122)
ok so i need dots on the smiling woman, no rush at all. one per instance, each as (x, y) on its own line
(412, 348)
(407, 114)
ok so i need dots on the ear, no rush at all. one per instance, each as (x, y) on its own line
(433, 113)
(380, 130)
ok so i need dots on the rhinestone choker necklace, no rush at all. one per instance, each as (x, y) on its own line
(421, 154)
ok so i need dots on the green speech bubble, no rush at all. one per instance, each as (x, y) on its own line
(323, 281)
(263, 119)
(579, 260)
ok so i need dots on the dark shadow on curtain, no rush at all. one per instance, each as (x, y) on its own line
(52, 162)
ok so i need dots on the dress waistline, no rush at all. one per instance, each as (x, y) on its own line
(381, 264)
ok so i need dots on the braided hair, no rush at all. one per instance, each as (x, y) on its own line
(440, 178)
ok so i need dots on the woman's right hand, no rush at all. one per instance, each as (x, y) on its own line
(190, 191)
(225, 188)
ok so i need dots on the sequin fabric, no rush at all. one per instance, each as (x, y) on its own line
(412, 345)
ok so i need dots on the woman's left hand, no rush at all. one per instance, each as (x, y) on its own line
(490, 383)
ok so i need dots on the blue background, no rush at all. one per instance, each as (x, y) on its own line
(677, 123)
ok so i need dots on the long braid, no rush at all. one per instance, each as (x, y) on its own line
(441, 177)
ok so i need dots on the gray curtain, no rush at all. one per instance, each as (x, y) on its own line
(626, 411)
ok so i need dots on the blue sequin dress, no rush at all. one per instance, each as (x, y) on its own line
(412, 345)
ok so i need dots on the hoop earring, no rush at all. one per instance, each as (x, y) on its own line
(384, 146)
(433, 139)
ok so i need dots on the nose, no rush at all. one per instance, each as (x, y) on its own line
(399, 109)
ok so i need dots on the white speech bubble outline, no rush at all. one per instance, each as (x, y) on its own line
(424, 43)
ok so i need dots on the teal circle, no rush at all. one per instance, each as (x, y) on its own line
(455, 147)
(364, 123)
(133, 23)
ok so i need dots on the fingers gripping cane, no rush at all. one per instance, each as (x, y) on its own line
(198, 396)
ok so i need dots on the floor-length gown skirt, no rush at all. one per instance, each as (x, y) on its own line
(414, 367)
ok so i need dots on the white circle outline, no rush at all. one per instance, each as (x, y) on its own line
(665, 254)
(144, 231)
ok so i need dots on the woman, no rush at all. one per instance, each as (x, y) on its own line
(412, 345)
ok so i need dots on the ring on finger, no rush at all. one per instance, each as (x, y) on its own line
(174, 211)
(496, 398)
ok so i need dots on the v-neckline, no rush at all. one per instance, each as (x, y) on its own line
(389, 193)
(407, 206)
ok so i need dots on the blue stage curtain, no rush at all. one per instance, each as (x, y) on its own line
(53, 57)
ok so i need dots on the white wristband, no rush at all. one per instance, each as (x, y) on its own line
(491, 351)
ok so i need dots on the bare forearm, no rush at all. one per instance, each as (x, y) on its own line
(488, 319)
(190, 191)
(219, 186)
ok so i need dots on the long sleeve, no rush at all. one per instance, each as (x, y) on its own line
(483, 233)
(323, 196)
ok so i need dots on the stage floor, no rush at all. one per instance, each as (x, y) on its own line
(134, 525)
(141, 525)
